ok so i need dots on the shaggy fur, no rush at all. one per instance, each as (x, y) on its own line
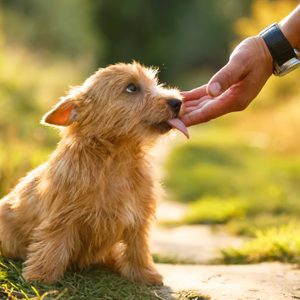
(94, 200)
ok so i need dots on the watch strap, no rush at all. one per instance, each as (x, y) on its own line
(278, 45)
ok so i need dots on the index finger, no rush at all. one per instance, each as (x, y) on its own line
(195, 93)
(210, 109)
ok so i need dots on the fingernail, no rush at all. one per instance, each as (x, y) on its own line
(214, 89)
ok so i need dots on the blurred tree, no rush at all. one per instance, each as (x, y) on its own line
(264, 13)
(177, 35)
(29, 84)
(58, 26)
(172, 34)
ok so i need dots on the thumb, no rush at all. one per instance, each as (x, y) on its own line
(230, 74)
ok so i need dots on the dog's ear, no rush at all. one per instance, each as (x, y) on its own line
(63, 114)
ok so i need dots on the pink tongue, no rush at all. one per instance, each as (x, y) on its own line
(178, 124)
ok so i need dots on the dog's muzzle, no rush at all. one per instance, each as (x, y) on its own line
(174, 105)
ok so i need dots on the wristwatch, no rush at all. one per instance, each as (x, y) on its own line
(285, 58)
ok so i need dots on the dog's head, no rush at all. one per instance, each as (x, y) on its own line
(122, 100)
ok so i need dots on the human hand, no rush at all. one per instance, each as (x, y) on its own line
(233, 87)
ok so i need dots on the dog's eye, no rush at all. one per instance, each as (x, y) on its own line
(131, 88)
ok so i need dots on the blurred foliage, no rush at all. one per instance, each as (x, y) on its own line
(30, 84)
(230, 175)
(221, 168)
(279, 244)
(215, 211)
(174, 35)
(263, 13)
(171, 259)
(59, 27)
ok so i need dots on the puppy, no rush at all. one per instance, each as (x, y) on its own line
(94, 200)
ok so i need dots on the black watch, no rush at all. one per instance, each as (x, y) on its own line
(285, 58)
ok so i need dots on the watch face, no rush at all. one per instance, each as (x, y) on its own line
(287, 67)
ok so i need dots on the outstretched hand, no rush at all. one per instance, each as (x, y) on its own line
(233, 87)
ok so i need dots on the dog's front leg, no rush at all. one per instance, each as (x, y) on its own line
(49, 254)
(136, 263)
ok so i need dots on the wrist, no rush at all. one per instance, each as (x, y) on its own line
(290, 34)
(290, 27)
(267, 57)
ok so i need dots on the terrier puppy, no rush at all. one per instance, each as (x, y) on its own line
(93, 201)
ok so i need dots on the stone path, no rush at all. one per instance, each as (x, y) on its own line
(197, 244)
(200, 244)
(267, 281)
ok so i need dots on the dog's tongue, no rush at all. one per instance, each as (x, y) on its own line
(179, 125)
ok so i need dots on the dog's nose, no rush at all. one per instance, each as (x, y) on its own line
(175, 105)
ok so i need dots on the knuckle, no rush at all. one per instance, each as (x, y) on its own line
(226, 77)
(239, 60)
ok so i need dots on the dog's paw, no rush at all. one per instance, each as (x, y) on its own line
(146, 275)
(31, 275)
(151, 276)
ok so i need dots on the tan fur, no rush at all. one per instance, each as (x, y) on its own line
(94, 200)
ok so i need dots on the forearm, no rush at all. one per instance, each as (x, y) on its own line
(290, 27)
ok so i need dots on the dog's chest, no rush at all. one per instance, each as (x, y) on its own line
(131, 213)
(124, 209)
(122, 195)
(118, 206)
(109, 223)
(124, 190)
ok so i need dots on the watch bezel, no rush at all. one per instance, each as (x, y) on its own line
(285, 58)
(288, 66)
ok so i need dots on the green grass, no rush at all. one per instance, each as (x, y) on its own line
(91, 284)
(248, 226)
(205, 168)
(214, 211)
(171, 259)
(192, 295)
(275, 244)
